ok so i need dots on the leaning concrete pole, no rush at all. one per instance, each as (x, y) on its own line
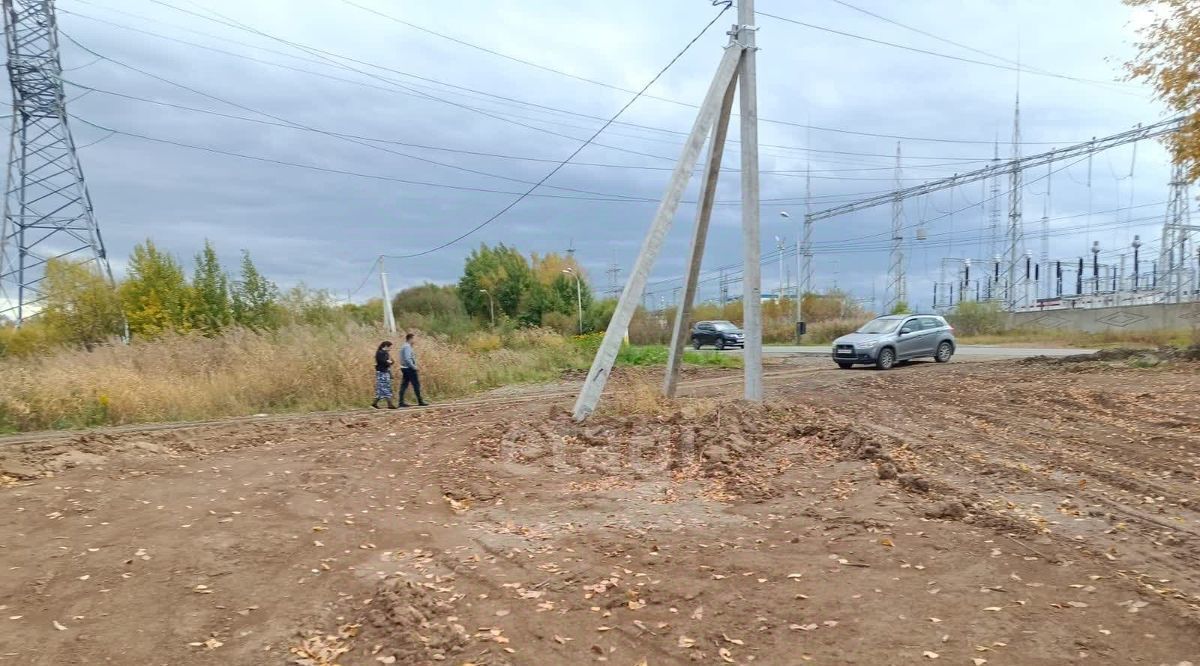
(593, 386)
(708, 193)
(752, 269)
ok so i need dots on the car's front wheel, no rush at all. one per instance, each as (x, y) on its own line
(944, 352)
(696, 343)
(886, 359)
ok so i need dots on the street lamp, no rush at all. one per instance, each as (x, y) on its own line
(491, 306)
(578, 295)
(803, 264)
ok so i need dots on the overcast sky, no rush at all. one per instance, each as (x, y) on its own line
(427, 96)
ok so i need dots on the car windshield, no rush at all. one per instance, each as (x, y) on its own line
(879, 326)
(724, 326)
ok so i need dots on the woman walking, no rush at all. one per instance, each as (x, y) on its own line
(383, 375)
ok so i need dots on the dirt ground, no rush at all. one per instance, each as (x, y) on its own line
(1035, 512)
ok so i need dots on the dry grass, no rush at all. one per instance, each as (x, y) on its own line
(295, 369)
(640, 394)
(1150, 339)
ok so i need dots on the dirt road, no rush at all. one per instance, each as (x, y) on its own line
(1034, 512)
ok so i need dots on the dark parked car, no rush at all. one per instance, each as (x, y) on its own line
(885, 341)
(720, 334)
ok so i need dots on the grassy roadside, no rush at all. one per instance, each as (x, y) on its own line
(643, 355)
(296, 369)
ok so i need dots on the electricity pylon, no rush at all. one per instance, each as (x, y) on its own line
(47, 210)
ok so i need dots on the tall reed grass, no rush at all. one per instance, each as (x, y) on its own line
(243, 372)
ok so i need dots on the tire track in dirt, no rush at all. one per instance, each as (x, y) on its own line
(990, 443)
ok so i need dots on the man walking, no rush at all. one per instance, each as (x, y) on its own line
(408, 370)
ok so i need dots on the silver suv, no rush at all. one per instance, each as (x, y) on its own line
(885, 341)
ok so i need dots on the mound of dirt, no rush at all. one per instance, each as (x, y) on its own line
(1124, 355)
(415, 624)
(734, 450)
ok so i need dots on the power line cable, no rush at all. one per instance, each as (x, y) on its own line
(530, 63)
(831, 198)
(410, 91)
(557, 168)
(968, 47)
(948, 56)
(289, 125)
(223, 20)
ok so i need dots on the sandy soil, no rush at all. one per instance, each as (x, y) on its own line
(1004, 513)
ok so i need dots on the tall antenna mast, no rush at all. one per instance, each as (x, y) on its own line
(47, 209)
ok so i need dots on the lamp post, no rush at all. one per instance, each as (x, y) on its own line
(491, 305)
(578, 295)
(1137, 243)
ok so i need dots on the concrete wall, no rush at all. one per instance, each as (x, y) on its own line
(1159, 316)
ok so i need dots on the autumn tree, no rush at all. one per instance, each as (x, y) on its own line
(255, 299)
(155, 295)
(428, 299)
(503, 272)
(1169, 59)
(211, 308)
(81, 306)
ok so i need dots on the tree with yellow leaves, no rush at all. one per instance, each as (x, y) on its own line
(81, 306)
(1169, 59)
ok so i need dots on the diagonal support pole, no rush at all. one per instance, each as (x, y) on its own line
(708, 194)
(593, 386)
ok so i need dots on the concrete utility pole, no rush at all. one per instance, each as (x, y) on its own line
(593, 387)
(738, 64)
(805, 254)
(578, 293)
(389, 315)
(708, 194)
(752, 249)
(897, 290)
(779, 247)
(1044, 257)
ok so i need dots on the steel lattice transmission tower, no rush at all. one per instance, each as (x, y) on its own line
(898, 282)
(47, 209)
(1173, 255)
(1016, 225)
